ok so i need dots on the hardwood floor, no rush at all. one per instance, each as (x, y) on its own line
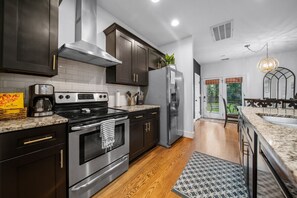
(154, 174)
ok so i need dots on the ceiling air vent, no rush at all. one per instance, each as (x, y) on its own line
(222, 31)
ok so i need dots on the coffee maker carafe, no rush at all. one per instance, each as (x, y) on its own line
(41, 100)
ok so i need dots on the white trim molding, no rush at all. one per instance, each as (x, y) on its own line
(189, 134)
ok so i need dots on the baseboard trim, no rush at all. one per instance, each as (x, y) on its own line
(189, 134)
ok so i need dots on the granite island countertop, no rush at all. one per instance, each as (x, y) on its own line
(282, 140)
(138, 107)
(30, 122)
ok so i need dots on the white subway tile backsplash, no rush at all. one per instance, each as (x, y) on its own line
(73, 76)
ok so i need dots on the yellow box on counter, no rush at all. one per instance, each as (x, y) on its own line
(11, 100)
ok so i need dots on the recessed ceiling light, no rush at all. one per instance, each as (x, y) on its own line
(155, 1)
(174, 22)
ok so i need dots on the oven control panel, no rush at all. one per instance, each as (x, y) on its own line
(80, 97)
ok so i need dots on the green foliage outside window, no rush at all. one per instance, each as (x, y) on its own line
(234, 97)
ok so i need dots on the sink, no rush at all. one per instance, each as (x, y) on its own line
(281, 120)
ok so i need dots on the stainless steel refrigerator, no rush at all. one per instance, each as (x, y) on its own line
(166, 88)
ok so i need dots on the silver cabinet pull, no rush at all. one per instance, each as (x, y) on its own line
(137, 117)
(146, 128)
(149, 124)
(154, 113)
(136, 77)
(62, 158)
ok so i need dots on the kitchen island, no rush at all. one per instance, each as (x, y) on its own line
(279, 142)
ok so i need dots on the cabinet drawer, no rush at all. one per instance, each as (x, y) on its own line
(137, 116)
(26, 141)
(154, 113)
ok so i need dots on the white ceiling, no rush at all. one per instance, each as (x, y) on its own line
(255, 22)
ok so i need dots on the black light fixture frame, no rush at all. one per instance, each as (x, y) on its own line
(283, 72)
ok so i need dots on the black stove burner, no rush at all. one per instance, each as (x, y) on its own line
(86, 114)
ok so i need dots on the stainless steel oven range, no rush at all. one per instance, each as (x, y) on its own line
(91, 165)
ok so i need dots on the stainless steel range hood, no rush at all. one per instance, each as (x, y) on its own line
(84, 49)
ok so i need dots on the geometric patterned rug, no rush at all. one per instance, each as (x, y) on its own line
(206, 176)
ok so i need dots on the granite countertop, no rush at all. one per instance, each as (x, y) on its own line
(30, 122)
(138, 107)
(281, 139)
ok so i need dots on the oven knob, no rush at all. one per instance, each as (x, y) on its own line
(104, 96)
(61, 97)
(100, 96)
(67, 97)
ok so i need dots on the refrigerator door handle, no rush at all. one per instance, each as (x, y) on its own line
(177, 98)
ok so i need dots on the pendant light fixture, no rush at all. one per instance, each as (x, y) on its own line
(267, 64)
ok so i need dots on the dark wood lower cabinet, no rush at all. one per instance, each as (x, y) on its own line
(39, 173)
(151, 132)
(136, 139)
(36, 175)
(144, 132)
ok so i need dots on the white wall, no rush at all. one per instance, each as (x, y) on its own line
(247, 67)
(104, 20)
(183, 51)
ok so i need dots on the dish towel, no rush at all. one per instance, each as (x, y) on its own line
(107, 128)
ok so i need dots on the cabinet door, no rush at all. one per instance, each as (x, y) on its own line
(151, 132)
(140, 66)
(136, 139)
(30, 36)
(39, 174)
(124, 52)
(154, 59)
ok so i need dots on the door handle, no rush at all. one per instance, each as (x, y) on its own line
(78, 128)
(54, 62)
(61, 158)
(134, 77)
(137, 117)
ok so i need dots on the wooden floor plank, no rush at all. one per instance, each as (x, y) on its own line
(155, 173)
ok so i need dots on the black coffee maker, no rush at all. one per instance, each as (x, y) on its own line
(41, 100)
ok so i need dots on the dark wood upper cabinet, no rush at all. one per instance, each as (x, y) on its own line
(29, 34)
(140, 66)
(154, 59)
(132, 51)
(124, 52)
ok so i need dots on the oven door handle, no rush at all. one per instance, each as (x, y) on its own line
(77, 188)
(79, 128)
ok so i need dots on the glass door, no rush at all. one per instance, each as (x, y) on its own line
(212, 98)
(231, 89)
(233, 94)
